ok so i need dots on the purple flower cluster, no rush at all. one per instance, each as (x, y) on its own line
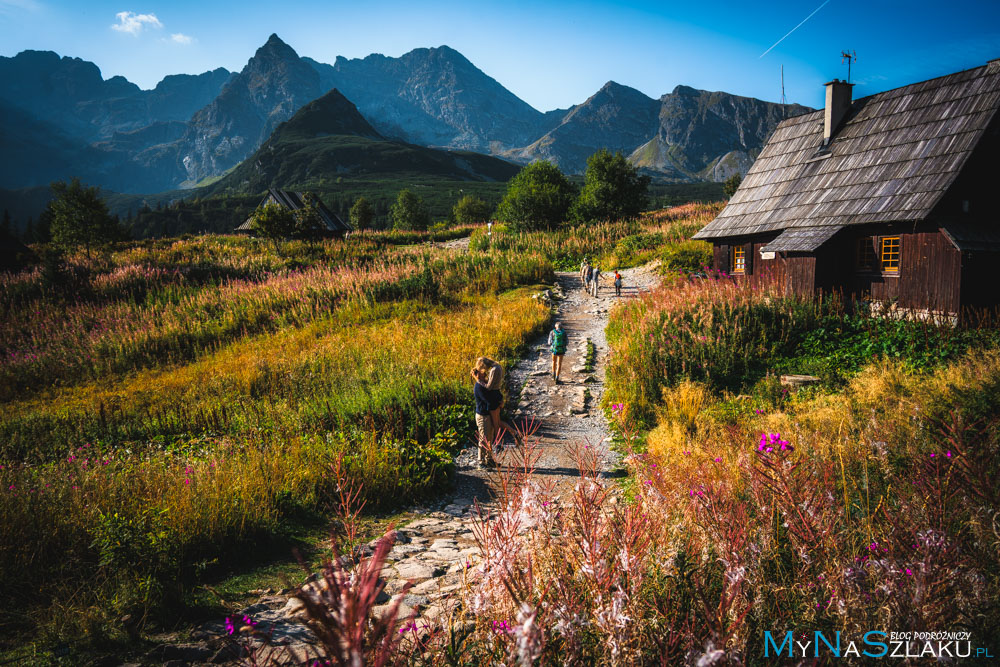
(768, 441)
(502, 627)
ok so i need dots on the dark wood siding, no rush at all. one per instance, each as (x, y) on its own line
(800, 275)
(766, 271)
(720, 254)
(979, 279)
(930, 269)
(929, 275)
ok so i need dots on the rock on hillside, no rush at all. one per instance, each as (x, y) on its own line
(72, 94)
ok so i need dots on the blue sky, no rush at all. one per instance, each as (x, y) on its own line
(551, 54)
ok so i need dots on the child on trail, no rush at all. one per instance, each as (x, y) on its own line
(595, 278)
(618, 283)
(557, 343)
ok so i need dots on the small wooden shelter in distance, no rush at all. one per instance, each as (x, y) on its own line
(293, 201)
(889, 197)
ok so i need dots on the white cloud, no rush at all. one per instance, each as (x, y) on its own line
(181, 38)
(133, 23)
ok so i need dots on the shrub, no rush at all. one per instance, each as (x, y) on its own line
(612, 189)
(539, 197)
(409, 212)
(687, 256)
(362, 214)
(470, 210)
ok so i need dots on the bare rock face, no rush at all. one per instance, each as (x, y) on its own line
(63, 119)
(434, 97)
(616, 117)
(705, 135)
(274, 85)
(686, 135)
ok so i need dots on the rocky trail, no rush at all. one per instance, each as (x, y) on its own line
(437, 551)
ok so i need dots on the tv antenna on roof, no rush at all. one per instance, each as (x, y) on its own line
(848, 57)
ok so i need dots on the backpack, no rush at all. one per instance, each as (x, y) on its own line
(558, 341)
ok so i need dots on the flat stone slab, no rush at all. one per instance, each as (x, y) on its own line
(412, 570)
(442, 554)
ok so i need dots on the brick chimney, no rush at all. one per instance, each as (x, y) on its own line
(838, 101)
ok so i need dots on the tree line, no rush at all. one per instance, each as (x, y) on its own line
(539, 197)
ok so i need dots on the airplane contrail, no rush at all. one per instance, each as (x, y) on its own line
(795, 28)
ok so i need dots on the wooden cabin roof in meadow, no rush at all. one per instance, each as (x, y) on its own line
(293, 201)
(891, 160)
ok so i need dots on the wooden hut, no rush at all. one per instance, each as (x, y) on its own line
(293, 201)
(887, 198)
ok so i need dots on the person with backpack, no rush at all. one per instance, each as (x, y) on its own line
(588, 272)
(618, 283)
(595, 278)
(557, 343)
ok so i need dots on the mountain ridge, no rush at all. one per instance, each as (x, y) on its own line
(330, 136)
(156, 140)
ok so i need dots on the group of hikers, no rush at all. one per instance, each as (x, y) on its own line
(591, 277)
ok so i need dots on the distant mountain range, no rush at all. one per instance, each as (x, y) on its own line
(59, 118)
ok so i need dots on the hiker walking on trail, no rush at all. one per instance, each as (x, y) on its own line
(583, 268)
(595, 277)
(588, 272)
(484, 424)
(557, 343)
(489, 373)
(618, 283)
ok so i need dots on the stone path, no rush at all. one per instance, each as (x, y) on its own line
(437, 552)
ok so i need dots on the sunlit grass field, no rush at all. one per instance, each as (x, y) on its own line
(171, 405)
(168, 402)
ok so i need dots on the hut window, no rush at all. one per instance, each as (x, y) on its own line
(890, 254)
(739, 259)
(866, 253)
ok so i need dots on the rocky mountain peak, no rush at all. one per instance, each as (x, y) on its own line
(331, 114)
(686, 91)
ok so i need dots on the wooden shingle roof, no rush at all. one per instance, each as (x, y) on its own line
(891, 160)
(293, 201)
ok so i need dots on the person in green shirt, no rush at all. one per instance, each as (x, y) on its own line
(557, 343)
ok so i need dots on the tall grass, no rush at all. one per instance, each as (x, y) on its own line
(731, 336)
(55, 341)
(610, 244)
(844, 513)
(170, 403)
